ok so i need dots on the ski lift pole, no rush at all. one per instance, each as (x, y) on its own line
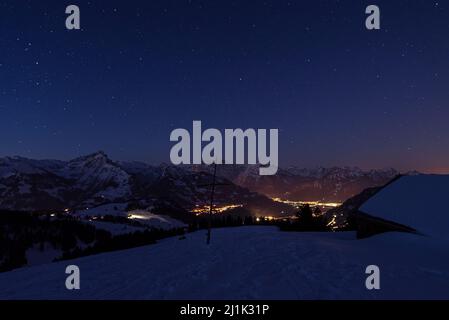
(209, 224)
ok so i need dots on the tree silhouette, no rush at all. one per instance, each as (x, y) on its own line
(305, 215)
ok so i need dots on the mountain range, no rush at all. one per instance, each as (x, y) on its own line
(335, 184)
(94, 180)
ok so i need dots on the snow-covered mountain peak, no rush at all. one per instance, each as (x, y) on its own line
(97, 158)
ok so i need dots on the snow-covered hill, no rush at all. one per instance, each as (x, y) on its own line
(417, 201)
(99, 177)
(249, 263)
(145, 217)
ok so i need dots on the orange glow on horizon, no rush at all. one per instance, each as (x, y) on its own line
(441, 170)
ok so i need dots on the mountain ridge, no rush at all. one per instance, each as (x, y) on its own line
(95, 179)
(334, 184)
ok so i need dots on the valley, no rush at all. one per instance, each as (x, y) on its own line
(114, 204)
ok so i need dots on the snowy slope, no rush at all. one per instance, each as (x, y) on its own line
(115, 228)
(113, 209)
(150, 219)
(11, 166)
(249, 263)
(145, 217)
(418, 201)
(100, 176)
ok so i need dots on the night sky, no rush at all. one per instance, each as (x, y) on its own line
(340, 94)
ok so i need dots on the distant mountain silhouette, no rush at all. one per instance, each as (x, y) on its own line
(333, 184)
(94, 180)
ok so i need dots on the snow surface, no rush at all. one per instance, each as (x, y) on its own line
(156, 221)
(115, 228)
(113, 209)
(249, 263)
(418, 201)
(145, 217)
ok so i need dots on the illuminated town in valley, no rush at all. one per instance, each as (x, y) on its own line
(204, 209)
(297, 204)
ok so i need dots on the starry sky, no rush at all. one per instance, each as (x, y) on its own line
(339, 94)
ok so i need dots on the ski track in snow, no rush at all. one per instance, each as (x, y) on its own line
(248, 263)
